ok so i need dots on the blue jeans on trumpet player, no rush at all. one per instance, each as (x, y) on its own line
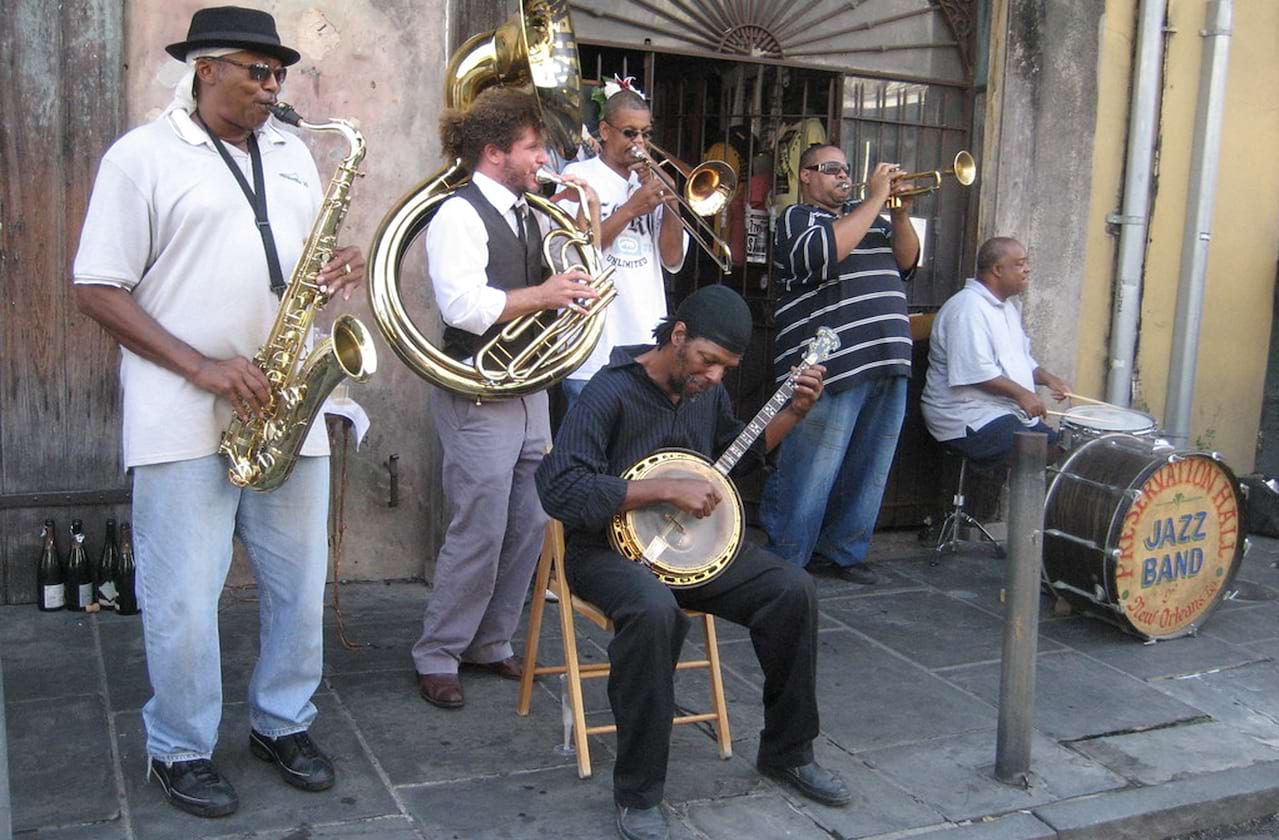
(184, 516)
(825, 493)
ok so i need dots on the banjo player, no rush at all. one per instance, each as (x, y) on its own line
(671, 395)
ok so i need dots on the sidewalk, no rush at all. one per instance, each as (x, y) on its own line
(1132, 740)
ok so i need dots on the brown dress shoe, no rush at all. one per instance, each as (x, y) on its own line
(443, 690)
(510, 668)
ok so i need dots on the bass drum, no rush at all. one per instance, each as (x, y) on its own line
(1141, 535)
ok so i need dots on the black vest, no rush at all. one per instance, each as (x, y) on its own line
(508, 267)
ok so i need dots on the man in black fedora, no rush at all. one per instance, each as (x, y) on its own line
(195, 221)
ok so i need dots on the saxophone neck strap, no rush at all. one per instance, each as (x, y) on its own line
(256, 196)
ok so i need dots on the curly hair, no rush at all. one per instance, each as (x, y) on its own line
(497, 117)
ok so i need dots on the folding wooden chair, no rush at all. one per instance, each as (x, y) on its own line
(550, 571)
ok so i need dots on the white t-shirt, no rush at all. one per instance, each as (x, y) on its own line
(641, 295)
(976, 337)
(168, 222)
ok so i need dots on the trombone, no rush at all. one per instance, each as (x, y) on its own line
(964, 168)
(707, 189)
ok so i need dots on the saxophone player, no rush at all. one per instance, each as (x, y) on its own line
(182, 263)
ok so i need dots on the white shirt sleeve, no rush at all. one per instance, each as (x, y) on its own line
(659, 215)
(115, 242)
(970, 349)
(457, 261)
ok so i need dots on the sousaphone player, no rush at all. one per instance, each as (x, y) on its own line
(647, 398)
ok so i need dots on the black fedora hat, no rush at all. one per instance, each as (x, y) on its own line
(233, 26)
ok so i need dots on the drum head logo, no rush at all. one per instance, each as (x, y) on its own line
(1177, 545)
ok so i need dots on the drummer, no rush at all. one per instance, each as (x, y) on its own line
(981, 381)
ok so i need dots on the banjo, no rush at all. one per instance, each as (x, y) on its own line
(681, 549)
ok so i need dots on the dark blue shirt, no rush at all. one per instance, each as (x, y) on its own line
(622, 416)
(861, 297)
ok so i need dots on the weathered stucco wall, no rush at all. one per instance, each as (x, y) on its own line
(1235, 331)
(380, 65)
(1037, 148)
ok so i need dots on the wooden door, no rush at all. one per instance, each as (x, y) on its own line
(62, 96)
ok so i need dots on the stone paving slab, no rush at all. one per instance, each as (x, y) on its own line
(1175, 807)
(753, 816)
(1019, 826)
(956, 777)
(266, 802)
(551, 803)
(376, 601)
(1170, 658)
(1245, 698)
(871, 698)
(416, 742)
(113, 830)
(54, 745)
(933, 629)
(1161, 755)
(1076, 696)
(1250, 623)
(47, 655)
(879, 804)
(378, 828)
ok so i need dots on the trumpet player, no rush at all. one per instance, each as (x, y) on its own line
(485, 264)
(175, 265)
(640, 229)
(841, 265)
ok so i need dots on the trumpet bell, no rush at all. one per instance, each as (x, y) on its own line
(965, 169)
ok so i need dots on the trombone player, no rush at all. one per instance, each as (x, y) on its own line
(486, 268)
(640, 224)
(841, 265)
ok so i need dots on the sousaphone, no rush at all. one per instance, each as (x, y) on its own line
(535, 50)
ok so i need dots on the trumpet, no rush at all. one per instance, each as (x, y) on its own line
(964, 168)
(707, 189)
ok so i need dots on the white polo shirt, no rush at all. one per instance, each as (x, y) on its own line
(168, 222)
(976, 337)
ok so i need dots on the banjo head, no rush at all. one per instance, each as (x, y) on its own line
(681, 549)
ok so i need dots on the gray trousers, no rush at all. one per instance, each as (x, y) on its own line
(483, 570)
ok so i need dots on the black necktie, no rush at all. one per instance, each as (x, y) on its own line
(521, 225)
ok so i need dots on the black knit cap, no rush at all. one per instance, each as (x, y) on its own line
(719, 314)
(233, 26)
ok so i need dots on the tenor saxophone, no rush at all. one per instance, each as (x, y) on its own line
(262, 450)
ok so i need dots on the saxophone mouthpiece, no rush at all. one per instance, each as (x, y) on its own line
(284, 112)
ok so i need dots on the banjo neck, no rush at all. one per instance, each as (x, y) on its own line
(819, 348)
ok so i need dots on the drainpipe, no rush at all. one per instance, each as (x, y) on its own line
(1133, 218)
(1206, 146)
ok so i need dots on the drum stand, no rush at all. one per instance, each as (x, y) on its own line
(948, 538)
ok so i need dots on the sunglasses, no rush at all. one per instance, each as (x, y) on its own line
(258, 72)
(831, 167)
(632, 133)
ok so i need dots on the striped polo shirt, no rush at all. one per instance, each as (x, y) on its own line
(861, 297)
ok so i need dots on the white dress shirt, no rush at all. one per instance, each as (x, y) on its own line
(976, 337)
(457, 257)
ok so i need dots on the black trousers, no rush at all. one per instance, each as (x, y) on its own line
(758, 590)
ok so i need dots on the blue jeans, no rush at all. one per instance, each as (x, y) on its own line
(993, 442)
(824, 495)
(184, 515)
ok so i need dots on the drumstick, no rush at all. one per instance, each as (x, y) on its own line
(1082, 398)
(1057, 413)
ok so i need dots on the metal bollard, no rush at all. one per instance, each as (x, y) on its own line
(1021, 608)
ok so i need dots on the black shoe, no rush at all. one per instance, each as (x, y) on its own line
(812, 780)
(195, 787)
(301, 763)
(860, 573)
(642, 823)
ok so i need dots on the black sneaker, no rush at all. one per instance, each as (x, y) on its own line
(860, 573)
(301, 763)
(195, 787)
(642, 823)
